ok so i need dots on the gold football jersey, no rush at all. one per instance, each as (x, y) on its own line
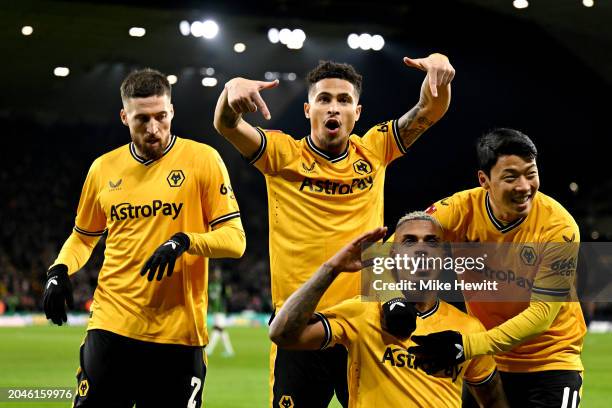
(318, 203)
(382, 373)
(142, 203)
(540, 240)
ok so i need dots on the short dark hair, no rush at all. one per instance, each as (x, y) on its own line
(503, 142)
(331, 69)
(145, 82)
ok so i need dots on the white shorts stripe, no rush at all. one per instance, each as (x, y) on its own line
(575, 399)
(566, 391)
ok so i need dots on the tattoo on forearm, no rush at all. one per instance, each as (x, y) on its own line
(229, 118)
(300, 307)
(412, 125)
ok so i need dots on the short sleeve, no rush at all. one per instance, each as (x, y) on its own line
(275, 151)
(90, 219)
(384, 141)
(341, 322)
(219, 199)
(556, 276)
(448, 213)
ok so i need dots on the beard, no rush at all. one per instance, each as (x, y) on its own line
(151, 151)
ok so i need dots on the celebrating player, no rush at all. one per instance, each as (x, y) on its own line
(322, 190)
(168, 205)
(382, 373)
(537, 343)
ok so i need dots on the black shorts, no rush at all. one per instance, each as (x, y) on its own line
(543, 389)
(117, 372)
(308, 379)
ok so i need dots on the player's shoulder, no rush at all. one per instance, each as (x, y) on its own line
(119, 153)
(196, 147)
(356, 307)
(558, 219)
(464, 200)
(461, 321)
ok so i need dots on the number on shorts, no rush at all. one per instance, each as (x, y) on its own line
(196, 383)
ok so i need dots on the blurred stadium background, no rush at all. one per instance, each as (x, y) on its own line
(545, 69)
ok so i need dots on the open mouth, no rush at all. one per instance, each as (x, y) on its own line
(521, 200)
(332, 124)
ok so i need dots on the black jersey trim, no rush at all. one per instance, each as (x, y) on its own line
(89, 233)
(497, 223)
(326, 156)
(224, 218)
(396, 136)
(427, 313)
(327, 328)
(262, 146)
(550, 291)
(146, 162)
(485, 381)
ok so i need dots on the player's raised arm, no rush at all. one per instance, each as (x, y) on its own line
(434, 99)
(241, 96)
(293, 327)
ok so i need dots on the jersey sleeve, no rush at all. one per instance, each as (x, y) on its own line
(384, 141)
(556, 275)
(275, 151)
(90, 219)
(448, 212)
(341, 322)
(218, 198)
(481, 369)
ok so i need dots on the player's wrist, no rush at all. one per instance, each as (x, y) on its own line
(58, 270)
(182, 239)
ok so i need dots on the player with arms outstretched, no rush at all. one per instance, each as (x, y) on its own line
(322, 190)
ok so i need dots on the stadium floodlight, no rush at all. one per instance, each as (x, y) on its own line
(298, 35)
(273, 35)
(353, 41)
(294, 44)
(185, 28)
(210, 71)
(197, 28)
(239, 47)
(378, 42)
(285, 35)
(210, 29)
(520, 4)
(365, 41)
(61, 71)
(291, 76)
(209, 81)
(595, 235)
(137, 32)
(588, 3)
(573, 187)
(27, 30)
(172, 79)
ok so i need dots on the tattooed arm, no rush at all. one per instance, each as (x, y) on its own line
(241, 96)
(293, 327)
(434, 99)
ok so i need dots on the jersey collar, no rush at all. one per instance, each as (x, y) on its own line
(146, 162)
(500, 226)
(427, 313)
(325, 155)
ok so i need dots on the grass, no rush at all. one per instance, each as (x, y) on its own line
(48, 357)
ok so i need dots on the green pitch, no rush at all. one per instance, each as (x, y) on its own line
(48, 357)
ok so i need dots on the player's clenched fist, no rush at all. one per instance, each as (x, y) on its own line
(243, 95)
(439, 70)
(164, 257)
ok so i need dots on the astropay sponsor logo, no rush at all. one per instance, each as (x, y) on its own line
(123, 211)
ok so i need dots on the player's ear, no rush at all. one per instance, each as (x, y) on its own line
(171, 111)
(357, 113)
(123, 116)
(483, 179)
(307, 110)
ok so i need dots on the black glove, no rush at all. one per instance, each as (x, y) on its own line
(399, 317)
(438, 351)
(58, 294)
(165, 257)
